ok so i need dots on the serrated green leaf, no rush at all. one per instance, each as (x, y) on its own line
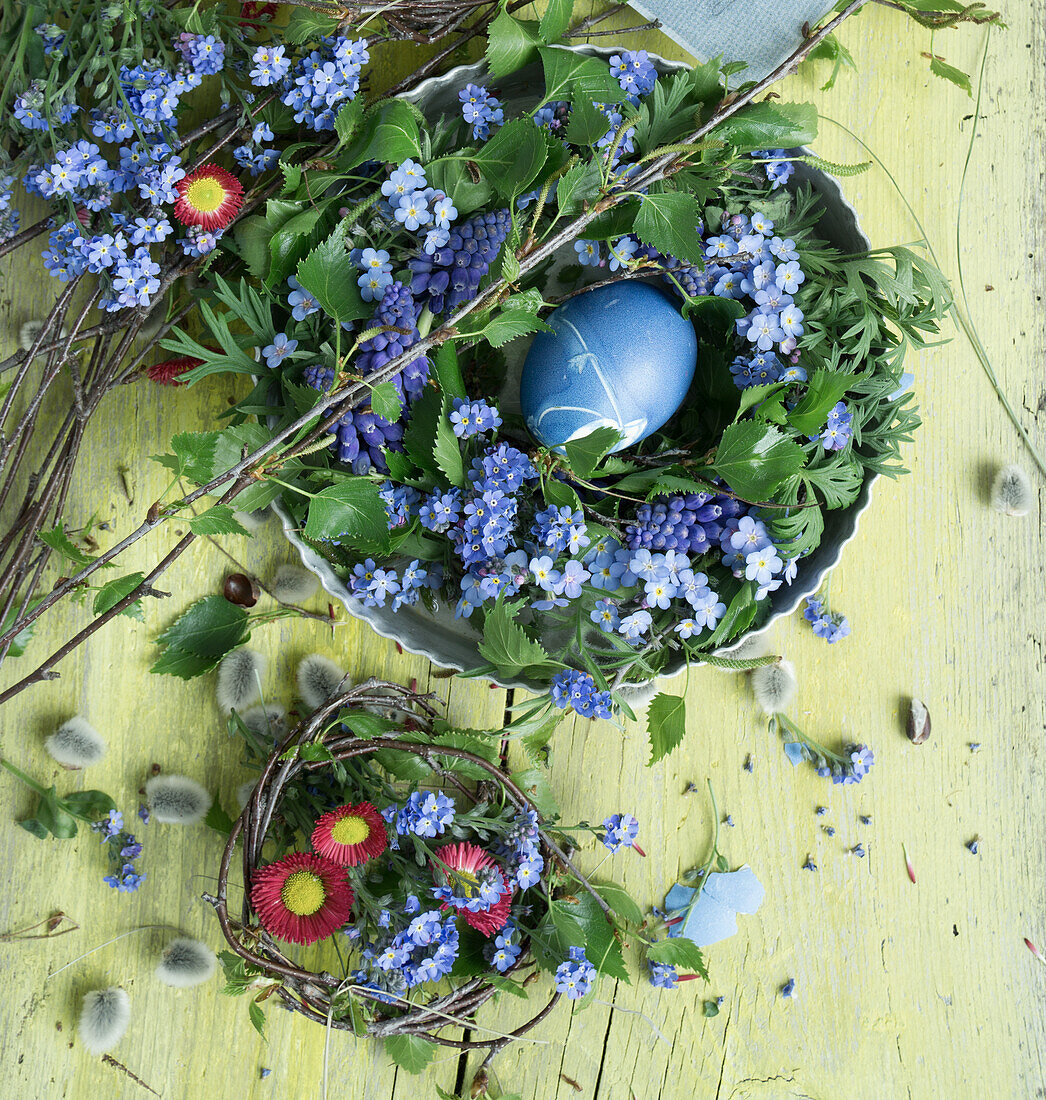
(679, 951)
(513, 157)
(353, 512)
(533, 782)
(587, 124)
(506, 645)
(553, 937)
(410, 1051)
(585, 454)
(754, 459)
(669, 222)
(208, 629)
(388, 133)
(252, 235)
(217, 819)
(447, 453)
(767, 125)
(508, 325)
(579, 184)
(572, 76)
(666, 725)
(619, 899)
(347, 120)
(257, 1018)
(177, 662)
(601, 945)
(511, 44)
(219, 519)
(555, 20)
(451, 175)
(448, 370)
(386, 402)
(306, 25)
(330, 277)
(60, 542)
(289, 244)
(951, 73)
(112, 592)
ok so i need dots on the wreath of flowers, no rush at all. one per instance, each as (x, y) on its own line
(583, 568)
(454, 890)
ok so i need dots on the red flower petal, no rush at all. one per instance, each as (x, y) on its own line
(350, 834)
(301, 898)
(168, 372)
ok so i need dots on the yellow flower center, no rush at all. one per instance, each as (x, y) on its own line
(205, 194)
(303, 893)
(350, 830)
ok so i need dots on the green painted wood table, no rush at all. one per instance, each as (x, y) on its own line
(923, 991)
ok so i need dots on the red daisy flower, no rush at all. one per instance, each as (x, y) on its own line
(301, 898)
(209, 197)
(459, 869)
(350, 834)
(168, 372)
(253, 13)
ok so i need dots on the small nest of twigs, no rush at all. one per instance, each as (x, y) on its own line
(417, 20)
(322, 996)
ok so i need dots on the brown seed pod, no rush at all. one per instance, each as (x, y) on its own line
(918, 722)
(241, 590)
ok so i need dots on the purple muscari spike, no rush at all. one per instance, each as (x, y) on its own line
(689, 524)
(451, 276)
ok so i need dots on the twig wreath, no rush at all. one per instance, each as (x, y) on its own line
(521, 901)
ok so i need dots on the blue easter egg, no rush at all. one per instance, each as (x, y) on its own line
(622, 356)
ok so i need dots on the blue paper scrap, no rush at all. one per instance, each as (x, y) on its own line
(713, 916)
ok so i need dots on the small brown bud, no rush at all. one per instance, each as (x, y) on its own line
(479, 1085)
(918, 722)
(241, 590)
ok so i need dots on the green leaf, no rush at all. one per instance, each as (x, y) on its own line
(619, 899)
(451, 175)
(289, 244)
(506, 645)
(585, 454)
(386, 401)
(112, 592)
(410, 1051)
(209, 629)
(950, 72)
(306, 25)
(571, 76)
(579, 184)
(587, 125)
(53, 817)
(601, 945)
(22, 638)
(88, 805)
(679, 951)
(506, 985)
(511, 44)
(60, 542)
(555, 20)
(709, 1009)
(351, 510)
(513, 156)
(666, 725)
(37, 828)
(177, 662)
(533, 782)
(252, 235)
(219, 519)
(330, 276)
(669, 222)
(447, 452)
(388, 133)
(754, 459)
(510, 324)
(768, 125)
(553, 937)
(448, 370)
(739, 614)
(257, 1017)
(218, 820)
(347, 120)
(825, 390)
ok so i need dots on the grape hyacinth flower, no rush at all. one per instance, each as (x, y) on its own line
(450, 276)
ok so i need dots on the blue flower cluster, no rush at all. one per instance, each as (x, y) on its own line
(480, 110)
(374, 586)
(574, 975)
(839, 428)
(824, 622)
(425, 814)
(505, 950)
(253, 155)
(663, 975)
(778, 170)
(424, 950)
(449, 276)
(203, 53)
(856, 764)
(553, 116)
(571, 688)
(469, 418)
(635, 73)
(319, 84)
(519, 849)
(123, 849)
(413, 204)
(621, 831)
(481, 896)
(10, 218)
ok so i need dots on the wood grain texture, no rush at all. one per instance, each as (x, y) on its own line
(920, 991)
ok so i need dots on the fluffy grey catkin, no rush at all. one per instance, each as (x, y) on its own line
(318, 679)
(104, 1018)
(239, 679)
(185, 963)
(293, 584)
(76, 744)
(177, 799)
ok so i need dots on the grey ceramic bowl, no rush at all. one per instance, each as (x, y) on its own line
(452, 643)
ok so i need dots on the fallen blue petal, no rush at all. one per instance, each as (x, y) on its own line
(794, 752)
